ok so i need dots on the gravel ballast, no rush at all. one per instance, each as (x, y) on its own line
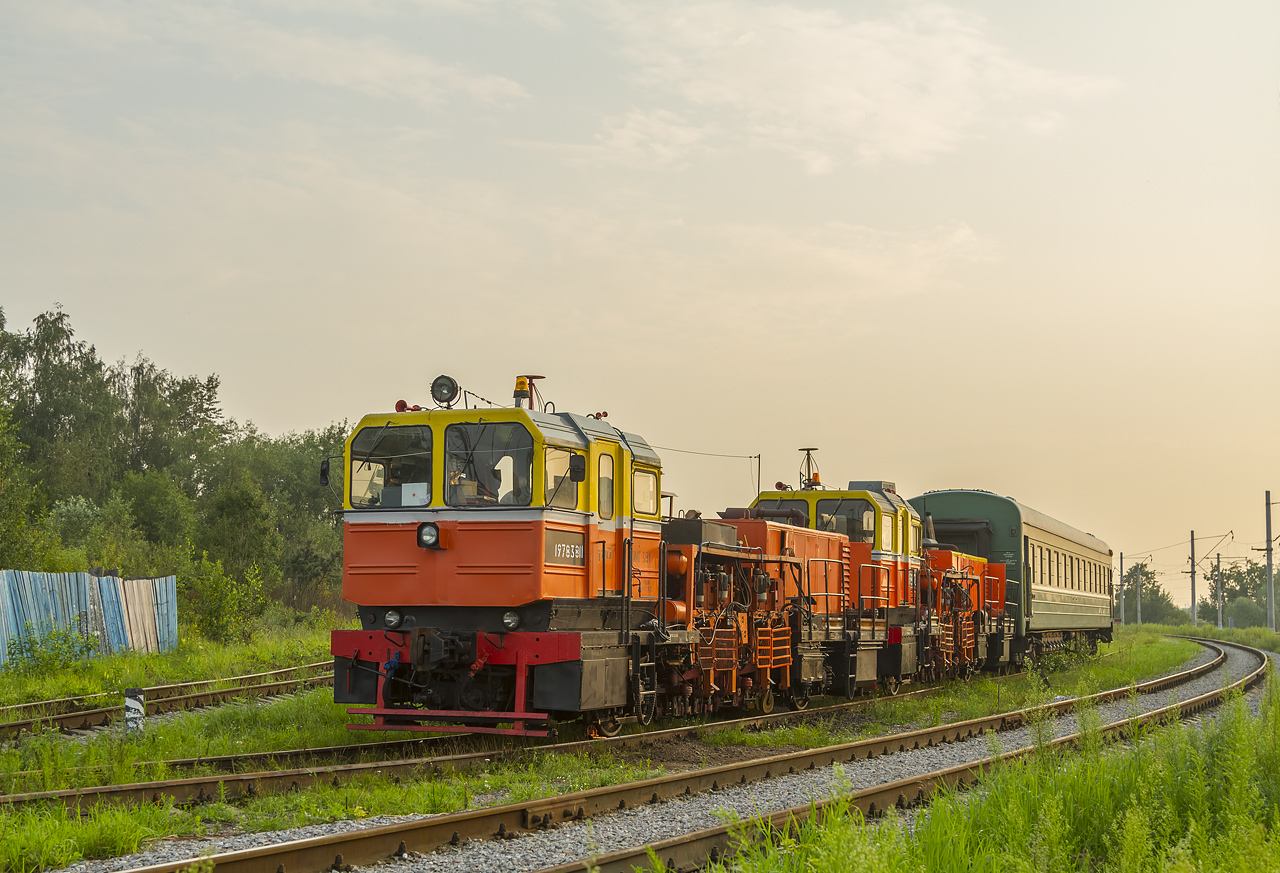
(641, 825)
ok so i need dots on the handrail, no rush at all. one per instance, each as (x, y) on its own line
(877, 568)
(826, 580)
(985, 599)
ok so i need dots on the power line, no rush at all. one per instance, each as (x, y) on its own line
(704, 454)
(1182, 543)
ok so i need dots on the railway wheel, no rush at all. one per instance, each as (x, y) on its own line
(766, 701)
(892, 685)
(605, 726)
(798, 700)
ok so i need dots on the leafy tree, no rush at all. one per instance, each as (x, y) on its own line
(1157, 606)
(172, 423)
(1247, 581)
(115, 543)
(25, 542)
(72, 519)
(67, 411)
(239, 529)
(140, 467)
(287, 471)
(1245, 612)
(165, 514)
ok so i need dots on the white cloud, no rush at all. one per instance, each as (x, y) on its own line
(242, 40)
(824, 87)
(648, 137)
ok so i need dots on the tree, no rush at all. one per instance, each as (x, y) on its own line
(1157, 606)
(25, 544)
(1245, 612)
(115, 543)
(66, 409)
(239, 530)
(1240, 582)
(142, 471)
(164, 513)
(286, 469)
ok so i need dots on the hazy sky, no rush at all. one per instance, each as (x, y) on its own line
(1033, 248)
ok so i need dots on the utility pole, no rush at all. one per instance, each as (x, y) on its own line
(1138, 586)
(1218, 576)
(1271, 591)
(1122, 587)
(1193, 578)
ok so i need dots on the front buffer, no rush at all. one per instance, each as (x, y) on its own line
(476, 681)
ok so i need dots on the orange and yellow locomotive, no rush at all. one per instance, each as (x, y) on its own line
(512, 568)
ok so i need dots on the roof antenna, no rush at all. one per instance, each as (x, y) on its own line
(809, 476)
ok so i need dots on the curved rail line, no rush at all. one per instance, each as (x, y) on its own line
(693, 851)
(381, 843)
(197, 789)
(63, 713)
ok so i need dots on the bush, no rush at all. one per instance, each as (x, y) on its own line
(224, 606)
(36, 651)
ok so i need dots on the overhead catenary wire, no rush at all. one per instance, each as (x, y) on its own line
(756, 458)
(706, 454)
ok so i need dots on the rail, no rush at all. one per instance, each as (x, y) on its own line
(693, 851)
(162, 698)
(379, 843)
(239, 784)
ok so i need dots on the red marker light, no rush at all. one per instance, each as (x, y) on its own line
(401, 406)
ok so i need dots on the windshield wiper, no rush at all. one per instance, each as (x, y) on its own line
(831, 519)
(377, 441)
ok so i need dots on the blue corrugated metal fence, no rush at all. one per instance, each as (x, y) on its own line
(119, 614)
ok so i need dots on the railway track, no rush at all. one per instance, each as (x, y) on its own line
(693, 851)
(78, 713)
(425, 835)
(227, 783)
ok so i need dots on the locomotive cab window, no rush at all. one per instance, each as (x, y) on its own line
(644, 492)
(488, 464)
(850, 516)
(561, 490)
(801, 505)
(604, 498)
(391, 467)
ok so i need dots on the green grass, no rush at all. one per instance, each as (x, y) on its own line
(1177, 800)
(1258, 637)
(46, 761)
(1135, 655)
(40, 838)
(271, 647)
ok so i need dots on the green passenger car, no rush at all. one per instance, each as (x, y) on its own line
(1059, 578)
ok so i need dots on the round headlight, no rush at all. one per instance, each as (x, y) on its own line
(392, 618)
(428, 535)
(444, 390)
(510, 620)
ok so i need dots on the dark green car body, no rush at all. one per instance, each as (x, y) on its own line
(1058, 578)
